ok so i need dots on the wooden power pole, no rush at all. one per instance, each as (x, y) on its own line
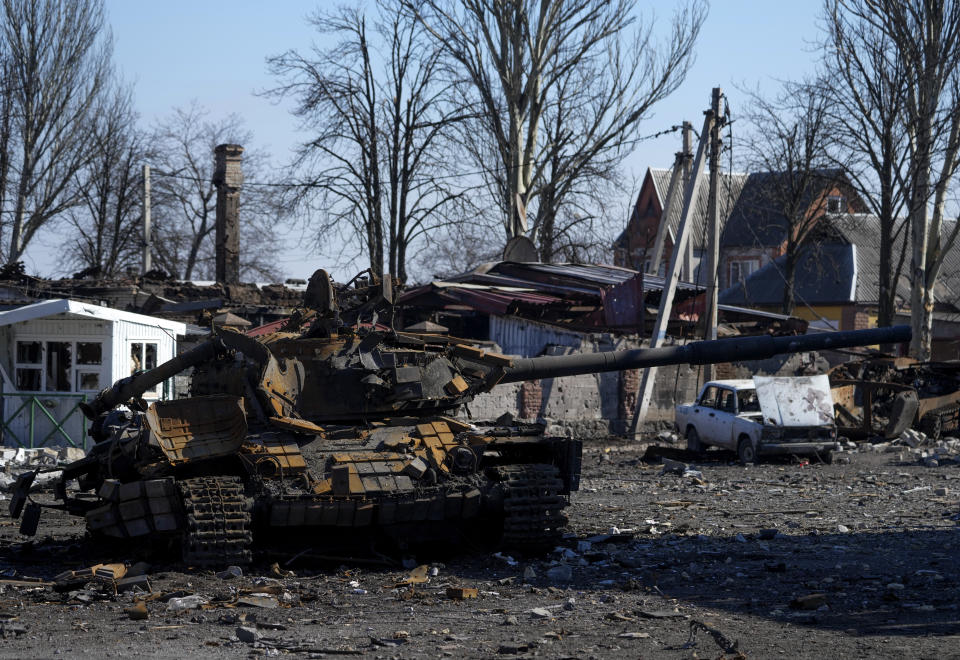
(686, 274)
(673, 273)
(679, 176)
(147, 232)
(713, 230)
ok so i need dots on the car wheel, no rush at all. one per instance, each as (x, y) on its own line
(827, 457)
(693, 441)
(745, 451)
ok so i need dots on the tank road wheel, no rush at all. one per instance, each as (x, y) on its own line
(218, 522)
(533, 517)
(693, 441)
(746, 451)
(931, 424)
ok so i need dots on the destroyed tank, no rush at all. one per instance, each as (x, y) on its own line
(336, 429)
(884, 396)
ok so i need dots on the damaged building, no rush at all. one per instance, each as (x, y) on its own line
(534, 309)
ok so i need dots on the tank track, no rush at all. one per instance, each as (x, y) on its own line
(218, 522)
(533, 517)
(940, 421)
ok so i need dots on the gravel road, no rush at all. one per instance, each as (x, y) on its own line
(853, 559)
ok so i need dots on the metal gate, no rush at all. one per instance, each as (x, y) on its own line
(41, 419)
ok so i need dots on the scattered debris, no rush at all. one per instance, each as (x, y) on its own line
(192, 602)
(137, 611)
(722, 641)
(12, 629)
(231, 572)
(560, 574)
(809, 602)
(133, 582)
(417, 576)
(661, 614)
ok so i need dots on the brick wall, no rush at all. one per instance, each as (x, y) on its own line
(853, 319)
(531, 398)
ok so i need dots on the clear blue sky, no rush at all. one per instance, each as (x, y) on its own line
(213, 51)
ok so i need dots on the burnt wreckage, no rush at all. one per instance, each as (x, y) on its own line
(336, 427)
(884, 396)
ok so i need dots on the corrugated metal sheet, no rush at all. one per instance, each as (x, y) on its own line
(526, 338)
(496, 302)
(582, 296)
(623, 305)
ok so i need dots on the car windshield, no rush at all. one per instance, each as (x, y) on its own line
(747, 400)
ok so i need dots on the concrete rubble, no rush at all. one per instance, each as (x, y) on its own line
(916, 446)
(14, 461)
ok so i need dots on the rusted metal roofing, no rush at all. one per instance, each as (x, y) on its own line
(266, 328)
(487, 299)
(581, 296)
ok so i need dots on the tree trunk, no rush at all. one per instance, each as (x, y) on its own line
(888, 275)
(789, 278)
(919, 295)
(16, 232)
(5, 128)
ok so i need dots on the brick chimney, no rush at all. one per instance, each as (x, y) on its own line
(228, 178)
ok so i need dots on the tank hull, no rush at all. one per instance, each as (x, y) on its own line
(202, 478)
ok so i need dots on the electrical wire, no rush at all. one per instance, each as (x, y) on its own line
(287, 185)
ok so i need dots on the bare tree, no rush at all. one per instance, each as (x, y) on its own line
(107, 219)
(925, 38)
(561, 87)
(867, 84)
(789, 149)
(571, 222)
(375, 165)
(58, 66)
(6, 136)
(184, 197)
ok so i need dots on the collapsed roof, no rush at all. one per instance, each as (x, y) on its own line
(583, 297)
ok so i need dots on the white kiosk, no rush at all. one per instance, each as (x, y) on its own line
(56, 353)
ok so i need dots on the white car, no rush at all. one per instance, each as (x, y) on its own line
(762, 416)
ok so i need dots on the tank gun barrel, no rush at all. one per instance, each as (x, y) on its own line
(134, 386)
(699, 352)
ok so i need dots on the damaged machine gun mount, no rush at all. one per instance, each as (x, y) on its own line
(336, 429)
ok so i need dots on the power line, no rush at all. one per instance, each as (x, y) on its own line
(288, 185)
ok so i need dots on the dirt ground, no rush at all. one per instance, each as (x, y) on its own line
(780, 559)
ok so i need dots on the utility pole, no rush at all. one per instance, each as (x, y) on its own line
(679, 176)
(147, 232)
(673, 274)
(657, 255)
(713, 230)
(687, 273)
